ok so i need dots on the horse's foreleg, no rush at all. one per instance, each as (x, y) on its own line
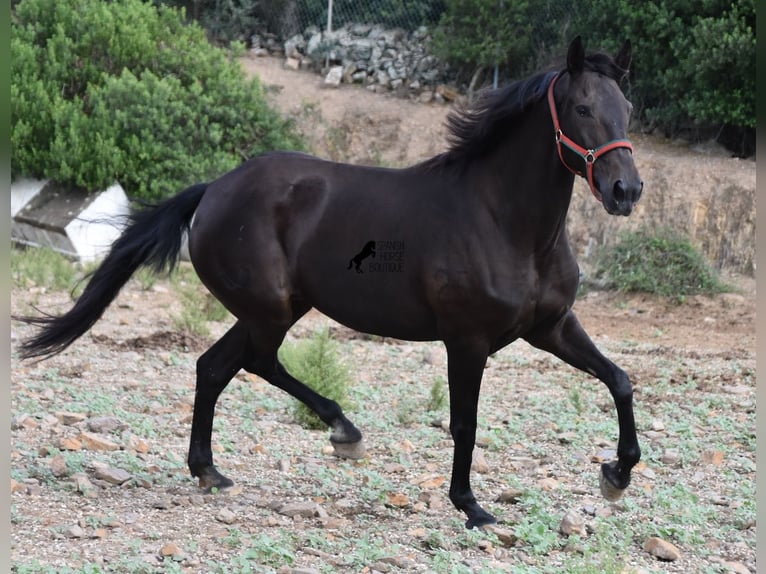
(215, 368)
(465, 369)
(345, 437)
(569, 341)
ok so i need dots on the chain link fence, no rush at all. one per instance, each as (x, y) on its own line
(288, 17)
(544, 26)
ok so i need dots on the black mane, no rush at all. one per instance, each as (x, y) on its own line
(477, 128)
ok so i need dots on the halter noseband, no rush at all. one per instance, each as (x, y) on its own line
(589, 156)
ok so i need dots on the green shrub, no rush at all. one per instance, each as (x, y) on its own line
(661, 262)
(43, 267)
(316, 363)
(198, 305)
(693, 61)
(126, 91)
(479, 33)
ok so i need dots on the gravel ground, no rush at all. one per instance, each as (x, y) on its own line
(128, 386)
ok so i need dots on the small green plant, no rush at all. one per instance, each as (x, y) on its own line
(198, 306)
(316, 363)
(42, 267)
(661, 262)
(437, 397)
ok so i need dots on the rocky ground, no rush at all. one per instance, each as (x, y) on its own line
(100, 433)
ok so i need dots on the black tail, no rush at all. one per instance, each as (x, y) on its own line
(152, 237)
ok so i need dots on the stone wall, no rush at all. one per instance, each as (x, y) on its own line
(370, 55)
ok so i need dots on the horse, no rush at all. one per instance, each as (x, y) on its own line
(482, 230)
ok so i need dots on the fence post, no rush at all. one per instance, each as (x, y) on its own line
(329, 29)
(496, 74)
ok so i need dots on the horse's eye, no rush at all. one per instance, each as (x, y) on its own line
(583, 111)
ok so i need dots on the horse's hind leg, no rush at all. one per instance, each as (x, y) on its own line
(569, 341)
(345, 437)
(215, 368)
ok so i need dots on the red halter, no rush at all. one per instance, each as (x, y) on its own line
(589, 156)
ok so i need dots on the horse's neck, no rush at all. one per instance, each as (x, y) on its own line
(527, 187)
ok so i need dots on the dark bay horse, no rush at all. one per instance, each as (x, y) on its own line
(482, 255)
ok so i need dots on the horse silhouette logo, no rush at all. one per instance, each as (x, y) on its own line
(367, 251)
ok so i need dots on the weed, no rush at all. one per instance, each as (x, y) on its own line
(198, 306)
(437, 397)
(316, 363)
(42, 267)
(661, 261)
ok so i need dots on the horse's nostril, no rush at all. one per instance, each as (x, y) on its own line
(619, 191)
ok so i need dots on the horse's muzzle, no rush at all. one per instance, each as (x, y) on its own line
(623, 197)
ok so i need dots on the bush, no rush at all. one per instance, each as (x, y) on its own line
(315, 362)
(478, 33)
(125, 91)
(43, 268)
(693, 65)
(661, 262)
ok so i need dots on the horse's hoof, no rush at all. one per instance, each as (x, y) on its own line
(213, 481)
(609, 490)
(481, 521)
(352, 450)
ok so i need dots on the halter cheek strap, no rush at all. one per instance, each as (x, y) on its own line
(589, 156)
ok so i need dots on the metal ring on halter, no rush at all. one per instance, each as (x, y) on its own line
(558, 135)
(589, 157)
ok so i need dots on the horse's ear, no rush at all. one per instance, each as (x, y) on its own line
(623, 57)
(576, 57)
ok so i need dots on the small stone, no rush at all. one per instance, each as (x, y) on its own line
(292, 63)
(74, 532)
(397, 499)
(662, 549)
(72, 444)
(334, 77)
(69, 419)
(714, 457)
(58, 466)
(84, 486)
(226, 516)
(18, 487)
(510, 495)
(432, 482)
(604, 455)
(299, 508)
(658, 425)
(548, 484)
(116, 476)
(479, 462)
(162, 504)
(572, 523)
(171, 550)
(486, 546)
(139, 445)
(105, 424)
(505, 536)
(671, 456)
(94, 442)
(23, 421)
(567, 437)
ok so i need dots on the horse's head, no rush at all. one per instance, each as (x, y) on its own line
(591, 116)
